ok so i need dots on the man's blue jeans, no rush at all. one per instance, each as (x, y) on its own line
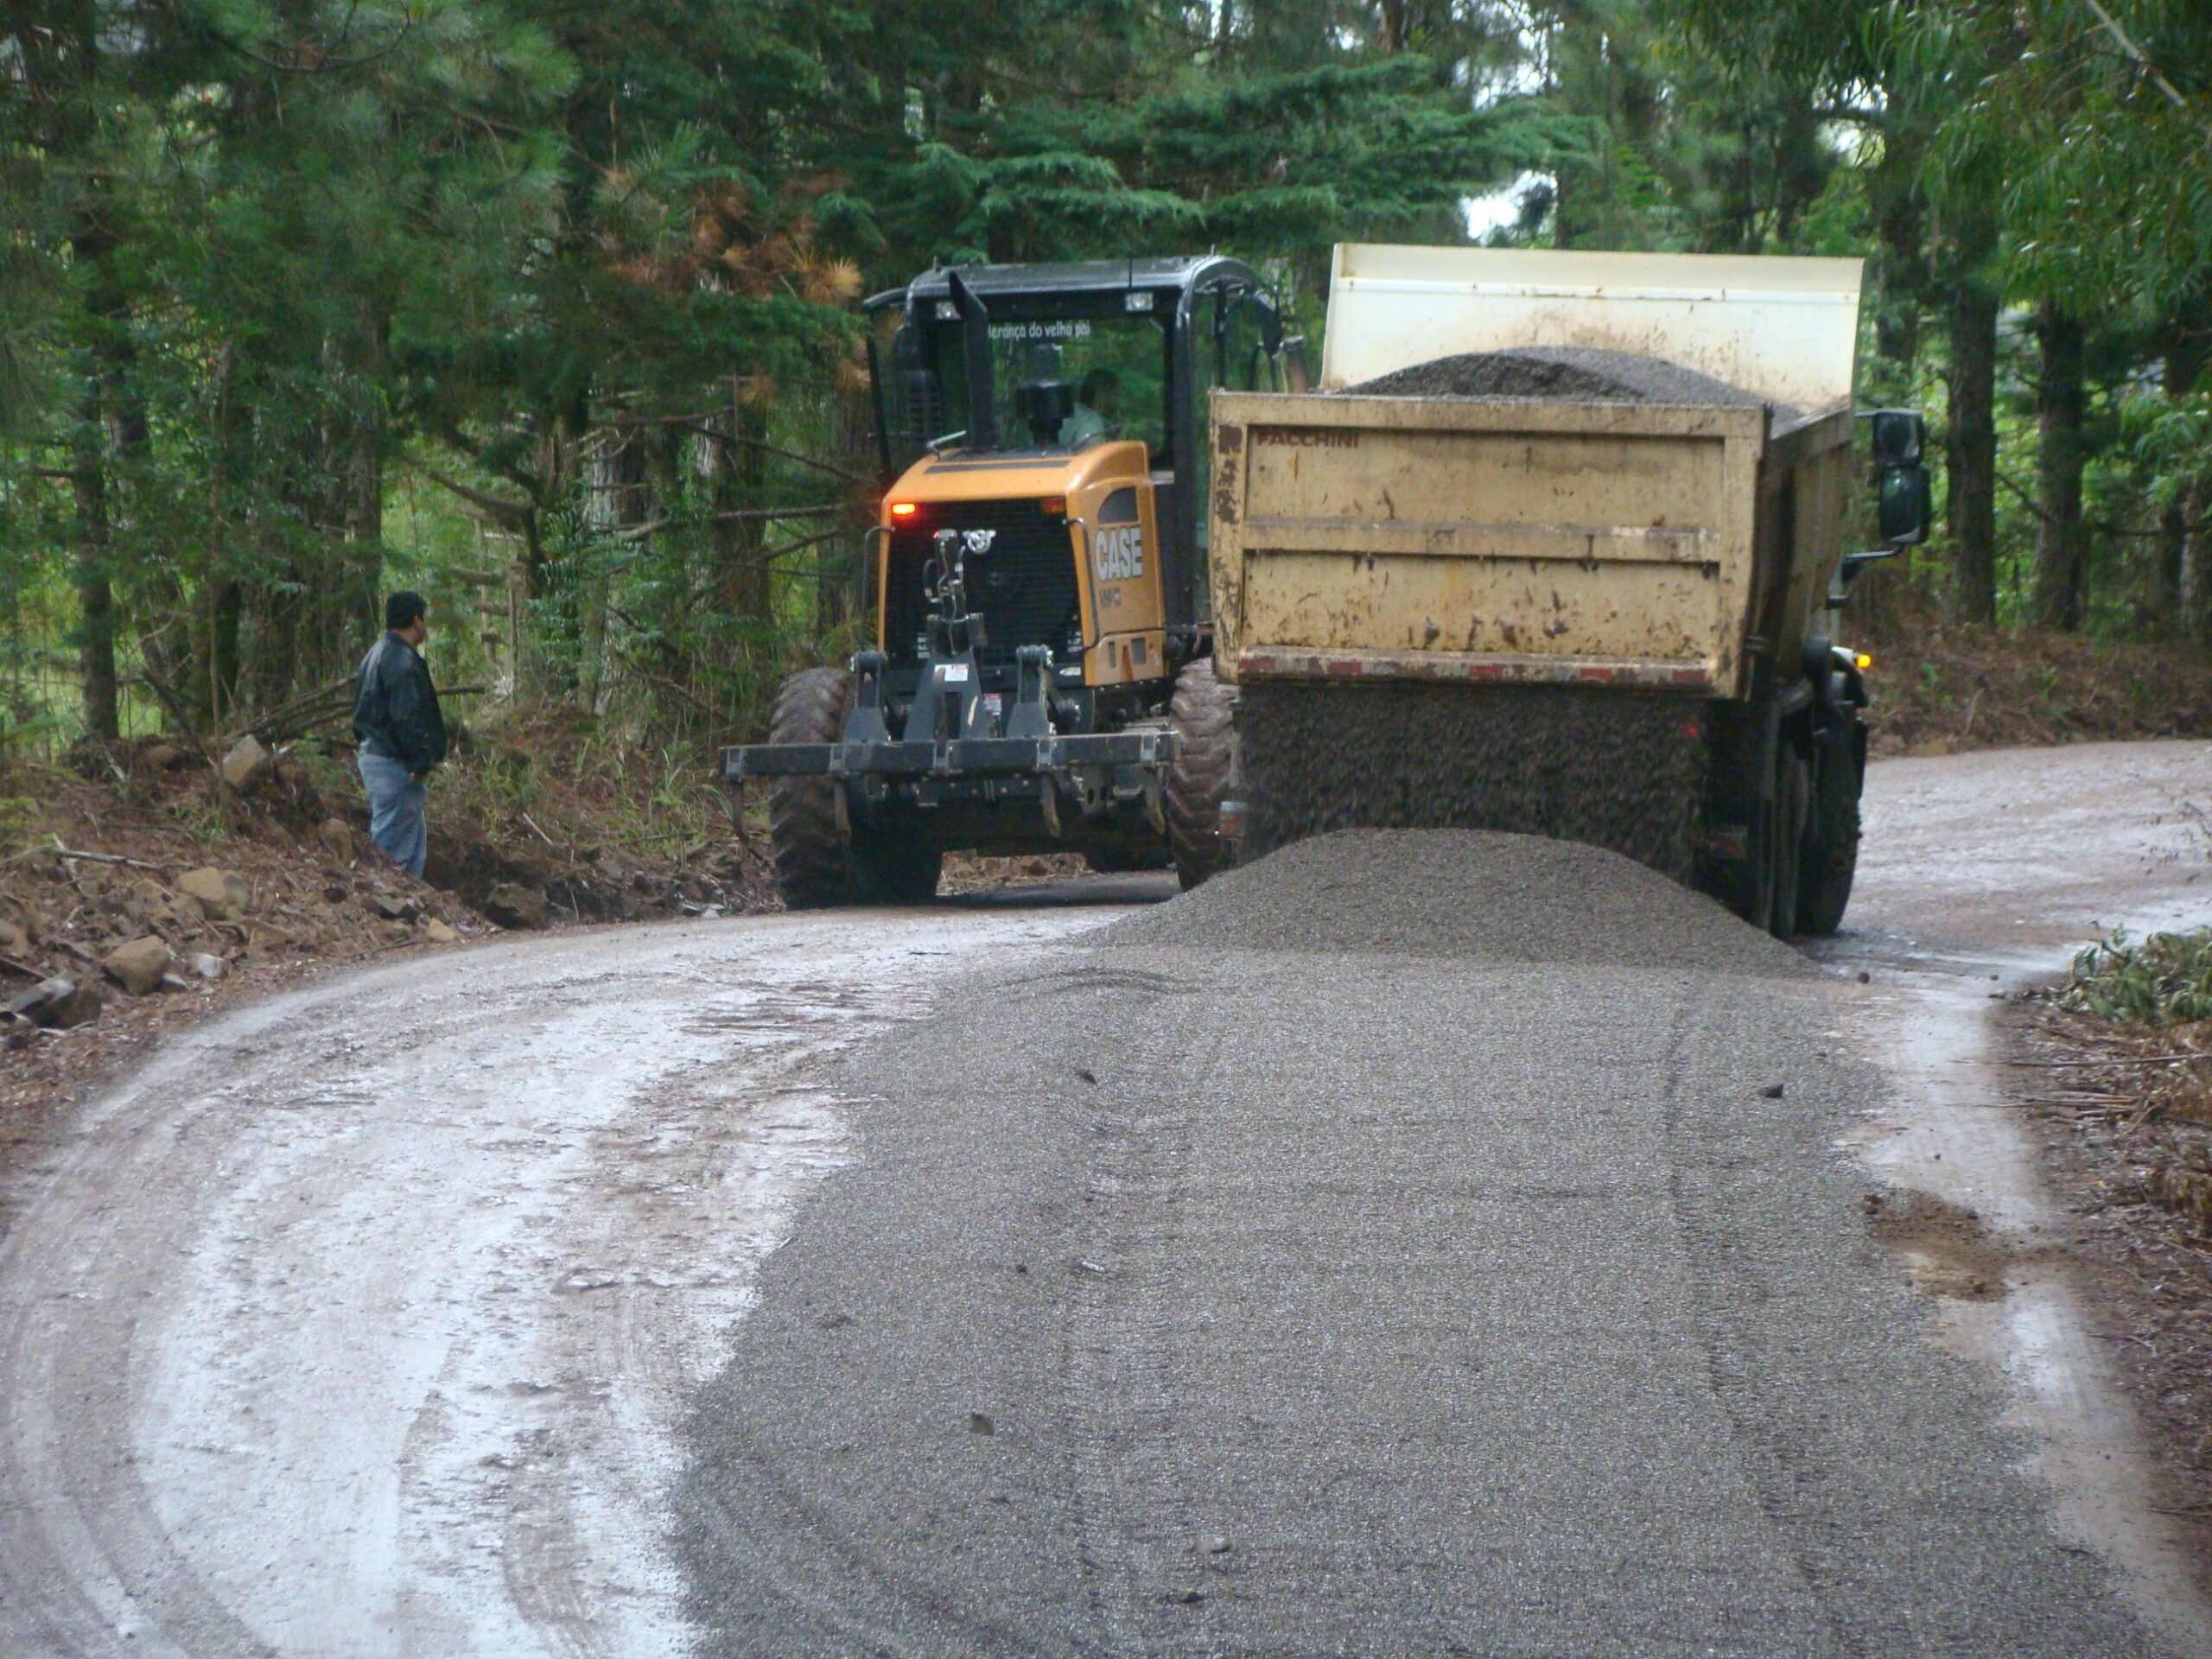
(396, 821)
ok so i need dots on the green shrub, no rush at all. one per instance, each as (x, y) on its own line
(2166, 980)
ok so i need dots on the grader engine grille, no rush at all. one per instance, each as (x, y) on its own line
(1621, 770)
(1023, 585)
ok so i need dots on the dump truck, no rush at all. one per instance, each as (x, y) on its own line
(1035, 586)
(1600, 604)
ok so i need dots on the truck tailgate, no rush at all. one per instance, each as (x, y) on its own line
(1537, 542)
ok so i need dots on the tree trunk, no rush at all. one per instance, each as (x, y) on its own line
(2061, 550)
(738, 473)
(95, 594)
(1390, 27)
(1972, 450)
(2171, 605)
(616, 463)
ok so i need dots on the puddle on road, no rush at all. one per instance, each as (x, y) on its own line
(1950, 1252)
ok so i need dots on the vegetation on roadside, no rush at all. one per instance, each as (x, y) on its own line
(2116, 1066)
(2135, 1019)
(2164, 980)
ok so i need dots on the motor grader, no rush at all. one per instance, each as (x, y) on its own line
(1036, 675)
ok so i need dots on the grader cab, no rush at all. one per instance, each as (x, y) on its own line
(1038, 677)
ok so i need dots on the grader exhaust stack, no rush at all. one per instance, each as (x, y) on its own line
(1603, 612)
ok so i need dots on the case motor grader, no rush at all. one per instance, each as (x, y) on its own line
(1040, 678)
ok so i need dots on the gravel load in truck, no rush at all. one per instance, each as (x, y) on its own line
(1588, 374)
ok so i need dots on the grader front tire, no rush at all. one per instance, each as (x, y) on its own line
(807, 834)
(1204, 771)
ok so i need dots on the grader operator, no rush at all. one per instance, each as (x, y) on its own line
(1038, 678)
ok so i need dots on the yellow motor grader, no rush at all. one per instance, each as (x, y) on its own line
(1039, 678)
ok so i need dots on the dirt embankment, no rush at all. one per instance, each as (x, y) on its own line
(143, 884)
(1939, 689)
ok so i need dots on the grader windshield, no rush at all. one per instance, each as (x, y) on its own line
(1066, 354)
(1076, 381)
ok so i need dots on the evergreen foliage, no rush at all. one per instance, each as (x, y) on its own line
(547, 306)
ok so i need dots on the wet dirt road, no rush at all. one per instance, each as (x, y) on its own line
(357, 1324)
(1982, 874)
(368, 1321)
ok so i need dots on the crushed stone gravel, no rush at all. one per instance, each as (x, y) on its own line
(1584, 374)
(1621, 770)
(1461, 893)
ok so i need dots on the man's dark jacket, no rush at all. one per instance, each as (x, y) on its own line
(395, 708)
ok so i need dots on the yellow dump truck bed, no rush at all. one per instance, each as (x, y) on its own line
(1655, 542)
(1528, 541)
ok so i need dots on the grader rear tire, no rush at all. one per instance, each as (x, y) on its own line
(1204, 771)
(806, 829)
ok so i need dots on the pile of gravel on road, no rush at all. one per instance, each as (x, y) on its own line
(1581, 374)
(1460, 893)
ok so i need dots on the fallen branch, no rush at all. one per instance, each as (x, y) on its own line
(59, 851)
(2118, 1059)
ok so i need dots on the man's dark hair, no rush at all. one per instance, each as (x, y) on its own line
(1100, 380)
(403, 607)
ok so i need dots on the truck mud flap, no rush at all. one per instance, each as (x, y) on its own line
(968, 757)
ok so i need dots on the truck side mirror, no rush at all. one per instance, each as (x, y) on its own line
(1900, 435)
(1905, 505)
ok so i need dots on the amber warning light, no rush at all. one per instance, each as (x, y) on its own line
(1054, 506)
(1866, 659)
(904, 508)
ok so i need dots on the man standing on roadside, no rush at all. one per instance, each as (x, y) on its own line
(400, 729)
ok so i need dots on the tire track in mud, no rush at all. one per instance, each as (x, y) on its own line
(356, 1323)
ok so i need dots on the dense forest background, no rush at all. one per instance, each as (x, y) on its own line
(546, 306)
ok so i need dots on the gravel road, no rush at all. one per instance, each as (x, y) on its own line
(1302, 1297)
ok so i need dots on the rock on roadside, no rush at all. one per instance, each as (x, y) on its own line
(221, 895)
(138, 966)
(247, 765)
(61, 1004)
(515, 907)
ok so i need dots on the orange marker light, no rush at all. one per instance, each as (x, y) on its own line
(904, 508)
(1865, 659)
(1054, 504)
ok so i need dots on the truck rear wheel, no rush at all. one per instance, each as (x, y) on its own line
(1832, 842)
(1204, 715)
(806, 827)
(1789, 840)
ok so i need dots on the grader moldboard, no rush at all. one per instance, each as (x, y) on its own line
(1040, 678)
